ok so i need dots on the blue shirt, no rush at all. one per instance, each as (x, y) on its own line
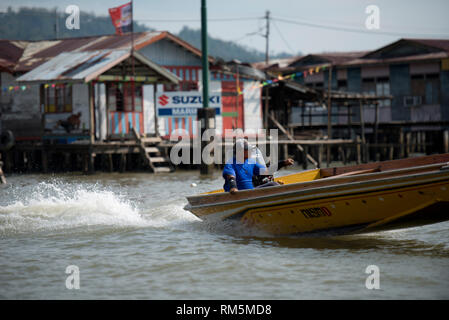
(243, 173)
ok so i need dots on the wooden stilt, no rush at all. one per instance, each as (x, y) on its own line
(110, 162)
(401, 144)
(304, 157)
(2, 176)
(122, 162)
(44, 158)
(320, 155)
(408, 138)
(362, 127)
(359, 149)
(423, 142)
(446, 141)
(342, 155)
(66, 161)
(285, 150)
(391, 152)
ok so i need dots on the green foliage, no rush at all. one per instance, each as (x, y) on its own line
(39, 24)
(227, 50)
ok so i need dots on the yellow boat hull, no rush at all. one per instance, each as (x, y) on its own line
(368, 202)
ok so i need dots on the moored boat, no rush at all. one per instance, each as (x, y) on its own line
(353, 199)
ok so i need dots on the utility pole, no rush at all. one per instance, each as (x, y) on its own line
(267, 34)
(56, 23)
(205, 53)
(132, 42)
(205, 115)
(267, 58)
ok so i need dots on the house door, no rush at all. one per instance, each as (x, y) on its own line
(125, 108)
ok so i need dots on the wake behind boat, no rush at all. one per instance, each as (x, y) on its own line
(353, 199)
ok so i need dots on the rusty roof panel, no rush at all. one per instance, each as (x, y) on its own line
(74, 66)
(38, 52)
(10, 53)
(85, 66)
(420, 57)
(437, 43)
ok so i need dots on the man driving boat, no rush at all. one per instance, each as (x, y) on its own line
(239, 171)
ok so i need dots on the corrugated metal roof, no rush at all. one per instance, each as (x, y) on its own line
(38, 52)
(418, 57)
(331, 57)
(437, 43)
(274, 63)
(74, 66)
(10, 53)
(86, 65)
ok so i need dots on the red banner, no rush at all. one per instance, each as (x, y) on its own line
(122, 18)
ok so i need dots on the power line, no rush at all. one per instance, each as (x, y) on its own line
(347, 29)
(283, 39)
(199, 20)
(353, 24)
(258, 32)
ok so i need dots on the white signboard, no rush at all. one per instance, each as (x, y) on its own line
(184, 103)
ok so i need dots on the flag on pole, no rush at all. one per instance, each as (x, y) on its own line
(122, 18)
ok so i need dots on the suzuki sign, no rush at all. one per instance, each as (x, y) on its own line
(184, 103)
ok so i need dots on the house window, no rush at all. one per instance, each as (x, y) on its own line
(124, 96)
(369, 86)
(342, 85)
(58, 98)
(426, 87)
(432, 95)
(379, 87)
(383, 89)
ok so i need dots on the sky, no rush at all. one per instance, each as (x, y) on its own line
(295, 26)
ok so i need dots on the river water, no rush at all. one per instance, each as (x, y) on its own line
(130, 238)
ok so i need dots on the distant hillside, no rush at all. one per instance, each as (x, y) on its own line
(39, 24)
(227, 50)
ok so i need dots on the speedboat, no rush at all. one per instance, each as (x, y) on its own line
(341, 200)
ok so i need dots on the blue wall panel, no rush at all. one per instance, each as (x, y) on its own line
(444, 95)
(399, 87)
(167, 53)
(354, 82)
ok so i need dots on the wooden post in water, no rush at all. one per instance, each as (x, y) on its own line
(408, 138)
(122, 162)
(110, 162)
(391, 152)
(362, 127)
(285, 150)
(304, 157)
(342, 154)
(2, 176)
(91, 161)
(358, 148)
(423, 142)
(401, 144)
(320, 155)
(329, 116)
(44, 161)
(156, 126)
(446, 141)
